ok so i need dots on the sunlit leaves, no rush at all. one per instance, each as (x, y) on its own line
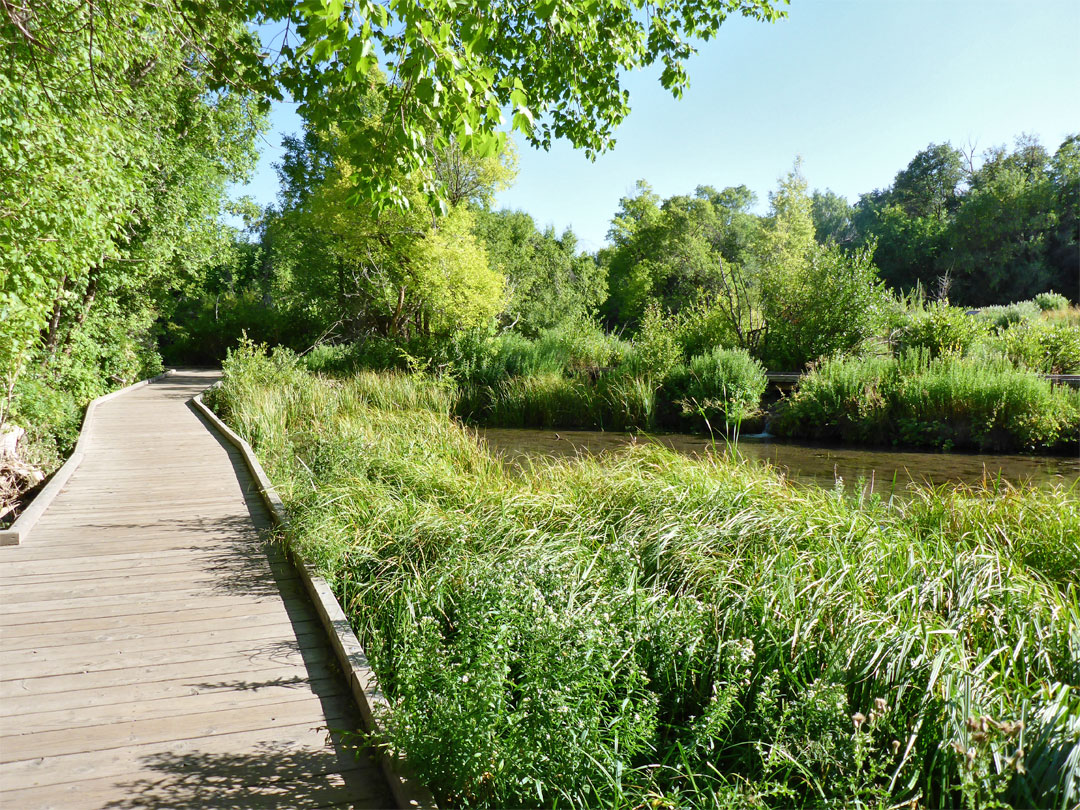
(458, 70)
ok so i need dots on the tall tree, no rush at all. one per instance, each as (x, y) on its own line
(549, 281)
(124, 131)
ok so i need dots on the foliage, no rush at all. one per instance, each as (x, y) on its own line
(122, 140)
(835, 304)
(1002, 315)
(947, 402)
(548, 280)
(1003, 230)
(1051, 301)
(658, 349)
(454, 68)
(1040, 346)
(658, 630)
(724, 385)
(942, 329)
(674, 252)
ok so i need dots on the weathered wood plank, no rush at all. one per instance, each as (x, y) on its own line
(155, 650)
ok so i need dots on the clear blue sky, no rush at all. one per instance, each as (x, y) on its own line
(856, 87)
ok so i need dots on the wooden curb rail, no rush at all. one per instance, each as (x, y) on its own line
(407, 790)
(33, 512)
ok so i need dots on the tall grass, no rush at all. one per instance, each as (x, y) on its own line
(948, 401)
(652, 630)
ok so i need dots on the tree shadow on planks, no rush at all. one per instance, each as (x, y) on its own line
(274, 775)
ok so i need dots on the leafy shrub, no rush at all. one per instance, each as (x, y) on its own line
(725, 384)
(702, 327)
(1051, 301)
(50, 415)
(656, 346)
(1041, 346)
(837, 303)
(942, 329)
(1002, 315)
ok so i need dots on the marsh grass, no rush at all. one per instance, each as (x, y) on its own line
(653, 630)
(948, 401)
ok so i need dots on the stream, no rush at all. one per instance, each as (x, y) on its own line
(885, 470)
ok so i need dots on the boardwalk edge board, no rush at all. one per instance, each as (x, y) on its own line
(407, 790)
(13, 535)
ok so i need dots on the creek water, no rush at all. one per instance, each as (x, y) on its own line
(883, 470)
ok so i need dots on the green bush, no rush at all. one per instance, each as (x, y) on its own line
(836, 305)
(1001, 316)
(1042, 346)
(50, 415)
(1051, 301)
(942, 329)
(702, 327)
(723, 386)
(945, 402)
(657, 349)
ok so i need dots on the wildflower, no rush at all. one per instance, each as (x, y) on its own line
(881, 705)
(858, 719)
(895, 746)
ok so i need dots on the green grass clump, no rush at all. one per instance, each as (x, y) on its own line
(949, 401)
(653, 630)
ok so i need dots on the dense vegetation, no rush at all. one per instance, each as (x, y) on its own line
(654, 630)
(123, 121)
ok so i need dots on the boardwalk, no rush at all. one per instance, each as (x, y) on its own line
(154, 653)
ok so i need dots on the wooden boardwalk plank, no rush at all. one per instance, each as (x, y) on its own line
(155, 649)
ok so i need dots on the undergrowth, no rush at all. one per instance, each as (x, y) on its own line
(652, 630)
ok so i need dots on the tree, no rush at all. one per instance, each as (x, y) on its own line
(453, 68)
(673, 252)
(548, 280)
(124, 133)
(833, 218)
(1000, 237)
(929, 186)
(355, 268)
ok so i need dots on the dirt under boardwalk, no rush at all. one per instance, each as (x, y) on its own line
(154, 651)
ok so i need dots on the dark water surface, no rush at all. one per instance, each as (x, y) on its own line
(806, 463)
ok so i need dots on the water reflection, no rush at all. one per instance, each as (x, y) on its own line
(885, 470)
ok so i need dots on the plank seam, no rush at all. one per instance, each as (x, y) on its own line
(13, 535)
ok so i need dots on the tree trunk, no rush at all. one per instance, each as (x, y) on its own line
(52, 335)
(84, 310)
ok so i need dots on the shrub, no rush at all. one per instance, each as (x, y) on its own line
(702, 327)
(1042, 346)
(723, 385)
(1051, 301)
(1003, 315)
(833, 306)
(942, 329)
(657, 349)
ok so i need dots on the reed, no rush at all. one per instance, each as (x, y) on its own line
(653, 630)
(948, 401)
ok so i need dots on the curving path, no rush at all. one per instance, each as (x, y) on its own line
(154, 651)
